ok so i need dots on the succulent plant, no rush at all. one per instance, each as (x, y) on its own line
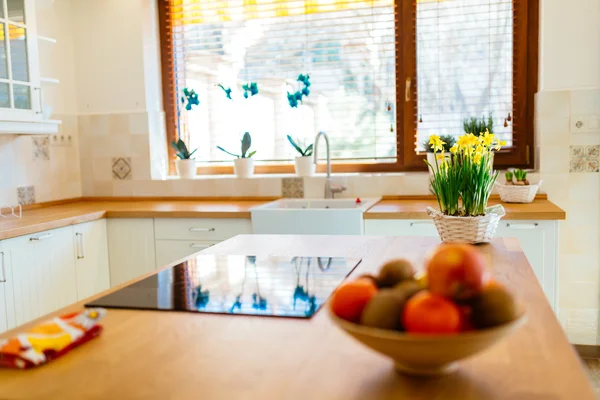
(181, 150)
(521, 177)
(246, 143)
(509, 177)
(304, 153)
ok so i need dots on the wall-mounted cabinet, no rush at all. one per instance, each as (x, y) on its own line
(22, 109)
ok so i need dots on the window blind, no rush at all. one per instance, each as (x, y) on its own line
(464, 66)
(347, 47)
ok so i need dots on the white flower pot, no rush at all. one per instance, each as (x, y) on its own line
(243, 167)
(186, 169)
(305, 166)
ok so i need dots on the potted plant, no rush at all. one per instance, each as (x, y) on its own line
(479, 127)
(304, 163)
(186, 165)
(518, 190)
(243, 164)
(462, 185)
(447, 140)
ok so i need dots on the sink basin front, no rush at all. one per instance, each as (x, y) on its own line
(311, 216)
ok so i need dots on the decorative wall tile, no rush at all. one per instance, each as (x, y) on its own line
(41, 148)
(26, 195)
(584, 158)
(292, 188)
(121, 168)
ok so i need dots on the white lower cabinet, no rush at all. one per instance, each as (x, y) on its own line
(538, 239)
(130, 248)
(7, 300)
(177, 238)
(91, 258)
(43, 272)
(169, 251)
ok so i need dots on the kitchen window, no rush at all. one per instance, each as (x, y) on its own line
(383, 77)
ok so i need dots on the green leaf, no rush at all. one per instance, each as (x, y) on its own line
(192, 153)
(251, 154)
(293, 143)
(225, 151)
(308, 151)
(246, 143)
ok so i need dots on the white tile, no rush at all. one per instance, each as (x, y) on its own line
(553, 131)
(585, 102)
(554, 159)
(578, 295)
(138, 124)
(582, 325)
(102, 169)
(584, 186)
(140, 168)
(553, 103)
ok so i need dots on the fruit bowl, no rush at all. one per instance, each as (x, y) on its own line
(428, 355)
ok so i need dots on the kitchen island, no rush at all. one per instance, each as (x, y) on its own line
(164, 355)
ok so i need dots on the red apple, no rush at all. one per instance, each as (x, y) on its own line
(457, 271)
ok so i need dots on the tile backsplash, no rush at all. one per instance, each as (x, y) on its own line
(51, 171)
(584, 158)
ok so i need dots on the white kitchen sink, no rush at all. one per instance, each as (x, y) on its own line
(311, 216)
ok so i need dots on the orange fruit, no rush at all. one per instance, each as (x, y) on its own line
(350, 299)
(430, 313)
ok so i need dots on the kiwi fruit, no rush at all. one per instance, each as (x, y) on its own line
(493, 306)
(394, 272)
(385, 309)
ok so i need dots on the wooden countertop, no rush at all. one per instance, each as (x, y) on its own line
(78, 211)
(41, 218)
(414, 208)
(177, 355)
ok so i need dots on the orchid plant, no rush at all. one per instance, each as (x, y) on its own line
(463, 182)
(249, 89)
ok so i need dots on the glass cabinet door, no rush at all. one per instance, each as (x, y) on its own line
(20, 90)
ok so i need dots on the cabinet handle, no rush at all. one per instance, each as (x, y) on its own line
(522, 226)
(41, 237)
(202, 229)
(199, 246)
(421, 223)
(80, 250)
(41, 97)
(3, 280)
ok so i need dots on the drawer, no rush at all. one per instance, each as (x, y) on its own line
(400, 227)
(200, 228)
(169, 251)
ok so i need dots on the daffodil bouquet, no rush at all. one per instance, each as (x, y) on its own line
(463, 182)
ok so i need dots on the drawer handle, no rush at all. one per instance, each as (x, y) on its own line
(41, 237)
(81, 254)
(3, 280)
(202, 229)
(522, 226)
(199, 246)
(421, 223)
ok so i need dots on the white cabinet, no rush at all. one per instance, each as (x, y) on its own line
(43, 272)
(7, 301)
(169, 251)
(130, 248)
(177, 238)
(91, 258)
(538, 239)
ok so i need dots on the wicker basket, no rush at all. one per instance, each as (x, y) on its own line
(467, 229)
(518, 194)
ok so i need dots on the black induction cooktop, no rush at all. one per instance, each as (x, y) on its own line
(235, 284)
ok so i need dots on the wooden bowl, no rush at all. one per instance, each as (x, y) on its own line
(428, 355)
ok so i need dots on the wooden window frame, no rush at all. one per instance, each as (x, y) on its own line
(525, 85)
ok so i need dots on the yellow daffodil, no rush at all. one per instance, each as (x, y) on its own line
(487, 138)
(454, 148)
(436, 143)
(439, 156)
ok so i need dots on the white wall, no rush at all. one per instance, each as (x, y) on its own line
(570, 44)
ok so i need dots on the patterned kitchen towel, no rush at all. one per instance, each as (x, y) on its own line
(51, 339)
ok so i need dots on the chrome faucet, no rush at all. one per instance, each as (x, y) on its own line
(330, 188)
